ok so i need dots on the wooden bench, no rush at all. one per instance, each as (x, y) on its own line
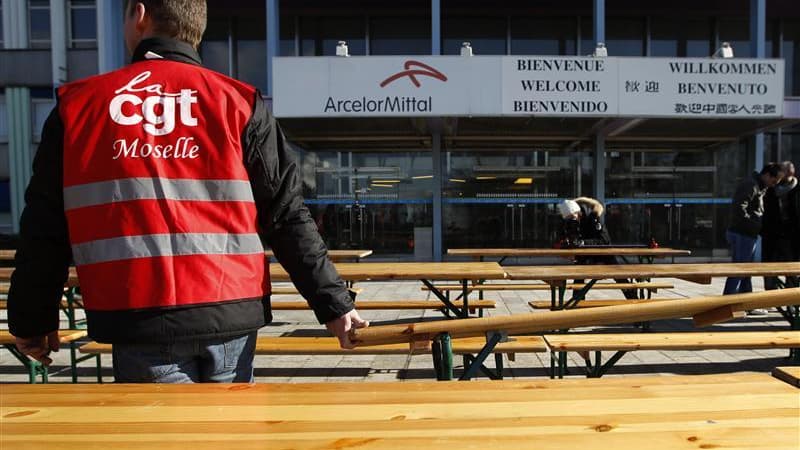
(291, 290)
(292, 345)
(547, 304)
(35, 368)
(372, 305)
(622, 343)
(652, 286)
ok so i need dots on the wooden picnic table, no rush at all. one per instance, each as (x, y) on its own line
(743, 410)
(426, 272)
(558, 276)
(644, 254)
(338, 255)
(697, 273)
(334, 255)
(423, 271)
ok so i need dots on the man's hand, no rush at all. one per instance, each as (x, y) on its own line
(39, 347)
(341, 327)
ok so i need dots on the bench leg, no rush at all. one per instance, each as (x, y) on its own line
(444, 298)
(476, 363)
(580, 295)
(35, 368)
(442, 352)
(598, 369)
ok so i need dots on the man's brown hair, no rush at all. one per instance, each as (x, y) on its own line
(184, 20)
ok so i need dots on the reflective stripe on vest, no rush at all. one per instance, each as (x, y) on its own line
(160, 245)
(128, 189)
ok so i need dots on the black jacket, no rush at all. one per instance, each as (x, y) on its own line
(286, 225)
(780, 214)
(588, 230)
(747, 206)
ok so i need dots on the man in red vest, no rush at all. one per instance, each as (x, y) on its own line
(161, 180)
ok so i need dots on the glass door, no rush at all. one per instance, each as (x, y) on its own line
(666, 195)
(507, 198)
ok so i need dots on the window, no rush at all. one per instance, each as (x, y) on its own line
(544, 36)
(251, 50)
(288, 31)
(625, 37)
(2, 44)
(400, 36)
(214, 48)
(320, 35)
(486, 35)
(680, 37)
(39, 23)
(791, 55)
(737, 33)
(82, 24)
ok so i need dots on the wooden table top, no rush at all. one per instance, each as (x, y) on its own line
(64, 336)
(676, 412)
(700, 273)
(409, 271)
(374, 271)
(335, 255)
(338, 255)
(568, 252)
(577, 342)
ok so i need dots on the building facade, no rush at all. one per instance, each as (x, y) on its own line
(414, 185)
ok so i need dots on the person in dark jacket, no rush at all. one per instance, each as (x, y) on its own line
(779, 224)
(747, 209)
(583, 226)
(793, 202)
(188, 341)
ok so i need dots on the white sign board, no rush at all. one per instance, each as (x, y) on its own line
(385, 86)
(559, 86)
(701, 87)
(418, 86)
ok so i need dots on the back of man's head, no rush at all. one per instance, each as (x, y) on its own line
(774, 170)
(184, 20)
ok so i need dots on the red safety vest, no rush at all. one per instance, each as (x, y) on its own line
(158, 201)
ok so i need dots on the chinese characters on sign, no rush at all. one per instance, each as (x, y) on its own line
(724, 108)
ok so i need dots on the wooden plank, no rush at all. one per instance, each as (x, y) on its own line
(291, 290)
(555, 320)
(408, 271)
(790, 375)
(334, 255)
(290, 345)
(338, 255)
(683, 412)
(567, 253)
(718, 315)
(674, 341)
(367, 305)
(592, 303)
(682, 271)
(64, 336)
(546, 287)
(372, 271)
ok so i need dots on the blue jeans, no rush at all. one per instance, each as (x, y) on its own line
(743, 249)
(217, 360)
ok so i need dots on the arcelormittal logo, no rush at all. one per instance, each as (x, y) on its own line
(413, 69)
